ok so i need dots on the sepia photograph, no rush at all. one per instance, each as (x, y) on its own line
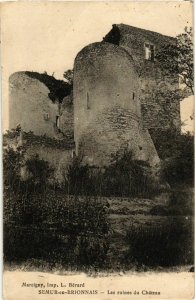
(98, 150)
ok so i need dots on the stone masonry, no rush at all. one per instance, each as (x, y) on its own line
(107, 115)
(158, 111)
(120, 97)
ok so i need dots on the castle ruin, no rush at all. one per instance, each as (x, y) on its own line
(118, 101)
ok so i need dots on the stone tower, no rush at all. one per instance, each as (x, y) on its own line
(40, 103)
(107, 116)
(159, 110)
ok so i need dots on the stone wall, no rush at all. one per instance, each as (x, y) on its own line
(114, 130)
(157, 111)
(30, 106)
(59, 159)
(66, 115)
(59, 154)
(119, 97)
(107, 116)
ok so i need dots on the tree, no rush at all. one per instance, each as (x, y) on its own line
(40, 173)
(13, 161)
(127, 176)
(68, 75)
(176, 152)
(177, 59)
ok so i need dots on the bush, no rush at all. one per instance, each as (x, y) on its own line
(129, 177)
(165, 246)
(77, 178)
(40, 172)
(159, 210)
(20, 205)
(85, 222)
(13, 160)
(181, 202)
(22, 243)
(73, 233)
(178, 170)
(125, 176)
(177, 154)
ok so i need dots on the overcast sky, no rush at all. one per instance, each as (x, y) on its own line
(47, 36)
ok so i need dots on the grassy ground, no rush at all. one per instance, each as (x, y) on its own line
(126, 215)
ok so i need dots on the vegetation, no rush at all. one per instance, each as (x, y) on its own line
(21, 193)
(73, 234)
(36, 225)
(60, 227)
(181, 201)
(12, 164)
(177, 58)
(167, 245)
(176, 61)
(38, 140)
(177, 153)
(68, 76)
(71, 226)
(58, 88)
(125, 176)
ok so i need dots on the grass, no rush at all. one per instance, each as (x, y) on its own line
(132, 239)
(165, 246)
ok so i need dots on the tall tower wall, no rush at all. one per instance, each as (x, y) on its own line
(107, 115)
(32, 108)
(159, 110)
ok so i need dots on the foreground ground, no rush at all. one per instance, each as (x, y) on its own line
(141, 220)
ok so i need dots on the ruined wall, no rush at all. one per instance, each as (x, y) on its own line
(32, 108)
(158, 109)
(106, 106)
(66, 121)
(59, 159)
(58, 153)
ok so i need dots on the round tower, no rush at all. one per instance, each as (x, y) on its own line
(107, 115)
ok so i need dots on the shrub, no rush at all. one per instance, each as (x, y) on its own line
(178, 169)
(168, 245)
(20, 205)
(125, 176)
(74, 233)
(85, 222)
(22, 243)
(181, 202)
(129, 177)
(13, 160)
(177, 153)
(159, 210)
(40, 172)
(76, 180)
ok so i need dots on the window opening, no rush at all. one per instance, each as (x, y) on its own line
(73, 153)
(149, 51)
(57, 121)
(88, 106)
(46, 116)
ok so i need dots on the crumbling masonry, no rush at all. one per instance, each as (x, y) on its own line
(117, 101)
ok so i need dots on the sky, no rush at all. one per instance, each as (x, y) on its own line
(46, 36)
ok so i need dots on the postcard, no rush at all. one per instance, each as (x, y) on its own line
(97, 150)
